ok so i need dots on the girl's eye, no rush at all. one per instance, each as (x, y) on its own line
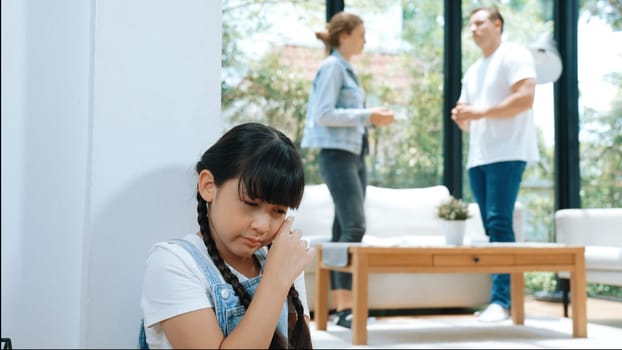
(280, 211)
(252, 204)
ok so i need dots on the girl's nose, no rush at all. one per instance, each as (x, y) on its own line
(261, 223)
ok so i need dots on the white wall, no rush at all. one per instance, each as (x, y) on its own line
(106, 106)
(45, 119)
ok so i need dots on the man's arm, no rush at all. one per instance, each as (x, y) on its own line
(520, 100)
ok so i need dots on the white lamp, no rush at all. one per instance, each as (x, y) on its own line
(547, 60)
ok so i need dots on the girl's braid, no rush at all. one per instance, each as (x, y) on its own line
(301, 336)
(230, 278)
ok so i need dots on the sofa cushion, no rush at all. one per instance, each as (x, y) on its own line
(394, 212)
(389, 212)
(316, 212)
(394, 216)
(589, 226)
(603, 258)
(598, 230)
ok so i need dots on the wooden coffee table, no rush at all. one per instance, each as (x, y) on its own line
(512, 258)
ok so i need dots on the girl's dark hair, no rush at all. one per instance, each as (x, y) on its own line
(341, 22)
(269, 168)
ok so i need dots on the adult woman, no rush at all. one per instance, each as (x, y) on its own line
(336, 123)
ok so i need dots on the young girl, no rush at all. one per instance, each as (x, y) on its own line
(222, 287)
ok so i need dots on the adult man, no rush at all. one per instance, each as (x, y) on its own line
(495, 107)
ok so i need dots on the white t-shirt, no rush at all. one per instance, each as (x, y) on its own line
(487, 83)
(174, 284)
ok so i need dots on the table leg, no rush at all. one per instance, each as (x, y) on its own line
(578, 297)
(517, 292)
(360, 309)
(321, 292)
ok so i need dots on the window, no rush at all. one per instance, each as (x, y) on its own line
(600, 104)
(402, 68)
(270, 55)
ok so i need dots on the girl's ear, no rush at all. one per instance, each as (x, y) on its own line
(207, 186)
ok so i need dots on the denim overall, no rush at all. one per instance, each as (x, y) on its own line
(229, 311)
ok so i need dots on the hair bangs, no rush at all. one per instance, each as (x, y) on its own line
(274, 175)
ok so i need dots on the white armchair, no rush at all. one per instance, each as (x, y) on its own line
(600, 231)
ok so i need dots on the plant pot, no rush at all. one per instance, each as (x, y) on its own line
(454, 231)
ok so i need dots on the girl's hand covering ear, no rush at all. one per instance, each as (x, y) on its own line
(289, 254)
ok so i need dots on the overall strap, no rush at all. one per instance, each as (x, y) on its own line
(209, 270)
(218, 284)
(261, 256)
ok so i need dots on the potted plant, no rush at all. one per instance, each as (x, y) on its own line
(454, 209)
(454, 212)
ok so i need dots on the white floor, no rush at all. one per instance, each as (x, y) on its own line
(467, 332)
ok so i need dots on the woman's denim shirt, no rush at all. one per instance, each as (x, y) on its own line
(336, 113)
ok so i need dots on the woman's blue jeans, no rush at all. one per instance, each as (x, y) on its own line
(495, 188)
(345, 174)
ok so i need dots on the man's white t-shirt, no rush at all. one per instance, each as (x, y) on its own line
(174, 284)
(487, 83)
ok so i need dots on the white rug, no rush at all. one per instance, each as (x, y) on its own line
(467, 332)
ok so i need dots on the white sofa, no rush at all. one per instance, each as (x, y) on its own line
(402, 216)
(600, 231)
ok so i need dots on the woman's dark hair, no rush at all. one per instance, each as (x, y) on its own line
(341, 22)
(269, 168)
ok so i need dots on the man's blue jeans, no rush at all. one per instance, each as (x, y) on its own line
(345, 174)
(495, 187)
